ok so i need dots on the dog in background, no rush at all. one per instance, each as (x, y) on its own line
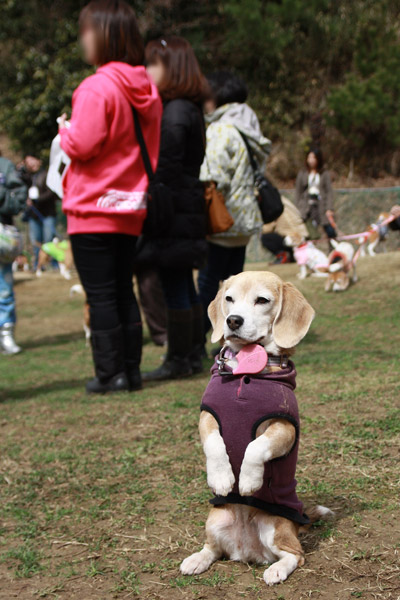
(309, 258)
(376, 233)
(77, 289)
(22, 263)
(261, 320)
(59, 251)
(341, 267)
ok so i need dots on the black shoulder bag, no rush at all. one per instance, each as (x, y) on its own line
(160, 208)
(267, 196)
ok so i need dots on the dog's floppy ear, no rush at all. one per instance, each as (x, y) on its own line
(216, 315)
(293, 319)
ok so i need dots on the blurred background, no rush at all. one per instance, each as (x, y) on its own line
(319, 71)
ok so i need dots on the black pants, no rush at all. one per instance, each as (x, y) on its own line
(222, 263)
(275, 243)
(105, 263)
(179, 289)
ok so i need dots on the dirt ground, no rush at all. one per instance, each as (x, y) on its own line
(102, 498)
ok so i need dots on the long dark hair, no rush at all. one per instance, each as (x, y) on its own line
(319, 156)
(183, 76)
(117, 32)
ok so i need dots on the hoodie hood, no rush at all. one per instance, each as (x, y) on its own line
(134, 83)
(245, 120)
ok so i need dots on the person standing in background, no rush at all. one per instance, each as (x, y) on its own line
(227, 164)
(105, 188)
(173, 66)
(314, 195)
(41, 210)
(12, 200)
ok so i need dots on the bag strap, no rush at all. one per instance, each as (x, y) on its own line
(142, 144)
(250, 152)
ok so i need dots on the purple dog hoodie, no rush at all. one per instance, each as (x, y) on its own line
(240, 403)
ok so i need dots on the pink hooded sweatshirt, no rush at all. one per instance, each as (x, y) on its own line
(105, 188)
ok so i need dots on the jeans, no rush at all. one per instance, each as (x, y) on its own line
(105, 264)
(222, 263)
(7, 300)
(41, 232)
(179, 289)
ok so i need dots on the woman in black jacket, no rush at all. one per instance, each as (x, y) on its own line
(175, 70)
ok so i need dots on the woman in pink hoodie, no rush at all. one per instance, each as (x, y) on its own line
(105, 188)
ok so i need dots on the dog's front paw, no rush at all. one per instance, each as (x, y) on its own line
(252, 472)
(251, 478)
(196, 563)
(220, 476)
(275, 574)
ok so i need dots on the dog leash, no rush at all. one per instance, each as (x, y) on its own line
(366, 234)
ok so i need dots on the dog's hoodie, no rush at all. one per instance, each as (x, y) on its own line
(240, 403)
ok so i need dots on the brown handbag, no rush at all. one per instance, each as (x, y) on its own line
(218, 216)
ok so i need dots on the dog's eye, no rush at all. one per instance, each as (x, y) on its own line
(229, 298)
(261, 300)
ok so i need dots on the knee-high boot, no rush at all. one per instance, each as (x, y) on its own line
(108, 358)
(177, 363)
(133, 340)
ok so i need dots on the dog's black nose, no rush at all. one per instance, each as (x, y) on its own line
(234, 322)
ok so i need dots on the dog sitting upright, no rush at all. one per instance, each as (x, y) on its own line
(249, 427)
(307, 255)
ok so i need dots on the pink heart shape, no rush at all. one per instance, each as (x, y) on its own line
(251, 359)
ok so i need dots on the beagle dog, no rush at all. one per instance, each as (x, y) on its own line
(376, 233)
(249, 428)
(342, 268)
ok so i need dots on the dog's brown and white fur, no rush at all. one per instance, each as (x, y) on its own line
(375, 234)
(65, 267)
(78, 289)
(277, 316)
(342, 268)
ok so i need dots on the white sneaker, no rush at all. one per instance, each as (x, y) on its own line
(7, 342)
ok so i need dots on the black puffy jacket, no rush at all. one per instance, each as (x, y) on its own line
(181, 155)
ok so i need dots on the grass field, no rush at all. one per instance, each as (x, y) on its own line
(102, 498)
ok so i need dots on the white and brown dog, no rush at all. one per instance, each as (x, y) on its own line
(56, 250)
(309, 258)
(341, 268)
(249, 428)
(376, 233)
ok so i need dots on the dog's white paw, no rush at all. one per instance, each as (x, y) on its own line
(251, 479)
(196, 563)
(220, 476)
(276, 573)
(252, 471)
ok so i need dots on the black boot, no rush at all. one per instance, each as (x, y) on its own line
(177, 363)
(133, 354)
(108, 358)
(197, 353)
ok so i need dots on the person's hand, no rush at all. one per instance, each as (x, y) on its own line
(395, 211)
(62, 120)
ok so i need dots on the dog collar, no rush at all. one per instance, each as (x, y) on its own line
(254, 366)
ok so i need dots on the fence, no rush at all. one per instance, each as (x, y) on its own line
(355, 210)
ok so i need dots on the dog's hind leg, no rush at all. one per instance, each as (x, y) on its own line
(218, 519)
(281, 539)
